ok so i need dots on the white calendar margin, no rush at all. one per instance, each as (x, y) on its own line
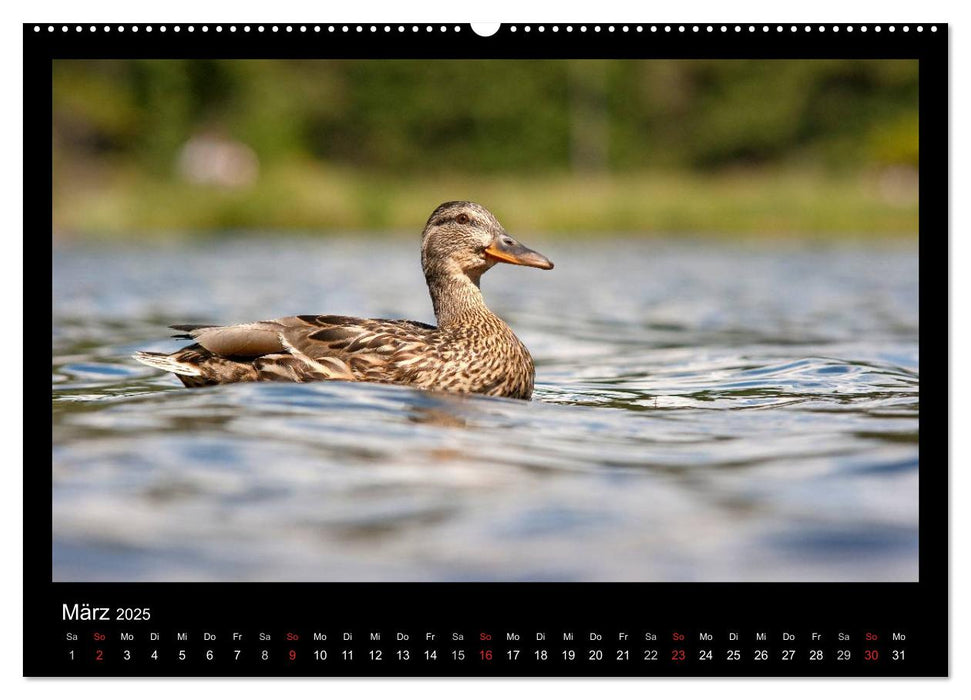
(11, 304)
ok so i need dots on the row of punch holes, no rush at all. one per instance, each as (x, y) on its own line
(401, 28)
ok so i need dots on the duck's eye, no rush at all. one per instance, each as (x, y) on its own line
(462, 219)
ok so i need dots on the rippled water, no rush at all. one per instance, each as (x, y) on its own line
(704, 411)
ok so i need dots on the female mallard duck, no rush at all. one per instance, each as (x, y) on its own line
(471, 350)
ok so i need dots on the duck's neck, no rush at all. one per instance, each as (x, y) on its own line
(457, 299)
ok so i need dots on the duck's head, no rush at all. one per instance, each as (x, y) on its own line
(464, 238)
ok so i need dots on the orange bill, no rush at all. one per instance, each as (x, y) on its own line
(508, 250)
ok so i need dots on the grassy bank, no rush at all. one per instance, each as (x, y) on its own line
(124, 203)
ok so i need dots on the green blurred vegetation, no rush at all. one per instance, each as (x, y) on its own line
(806, 146)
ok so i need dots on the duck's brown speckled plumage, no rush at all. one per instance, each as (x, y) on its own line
(471, 351)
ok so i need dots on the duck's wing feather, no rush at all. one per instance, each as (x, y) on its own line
(243, 340)
(372, 349)
(320, 347)
(343, 336)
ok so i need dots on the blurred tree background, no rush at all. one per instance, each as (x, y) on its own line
(721, 146)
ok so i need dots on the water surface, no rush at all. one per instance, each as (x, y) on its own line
(704, 411)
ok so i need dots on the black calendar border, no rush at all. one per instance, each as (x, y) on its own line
(920, 609)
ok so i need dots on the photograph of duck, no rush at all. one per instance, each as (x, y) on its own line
(719, 380)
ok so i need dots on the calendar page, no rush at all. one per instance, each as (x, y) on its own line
(487, 350)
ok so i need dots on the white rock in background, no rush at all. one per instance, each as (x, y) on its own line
(209, 159)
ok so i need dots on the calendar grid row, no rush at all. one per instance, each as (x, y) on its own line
(486, 649)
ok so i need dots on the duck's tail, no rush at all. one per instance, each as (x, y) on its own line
(169, 363)
(196, 366)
